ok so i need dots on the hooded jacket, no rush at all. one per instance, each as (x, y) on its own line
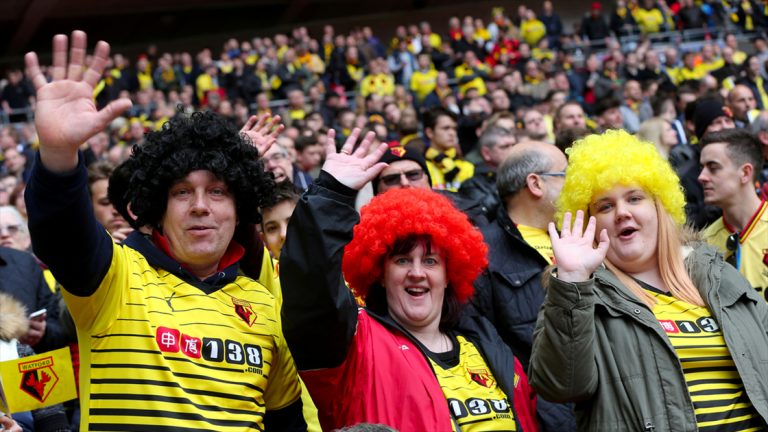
(596, 344)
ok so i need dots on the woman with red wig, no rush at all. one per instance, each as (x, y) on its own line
(410, 359)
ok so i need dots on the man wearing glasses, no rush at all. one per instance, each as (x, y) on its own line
(509, 293)
(406, 169)
(277, 160)
(731, 160)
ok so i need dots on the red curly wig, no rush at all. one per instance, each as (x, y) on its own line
(399, 213)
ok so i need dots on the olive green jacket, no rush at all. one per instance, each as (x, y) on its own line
(596, 344)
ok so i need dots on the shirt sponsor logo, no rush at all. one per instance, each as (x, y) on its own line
(210, 349)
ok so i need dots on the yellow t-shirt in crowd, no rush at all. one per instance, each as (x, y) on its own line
(474, 398)
(539, 240)
(423, 83)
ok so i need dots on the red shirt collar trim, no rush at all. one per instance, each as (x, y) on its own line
(232, 255)
(748, 227)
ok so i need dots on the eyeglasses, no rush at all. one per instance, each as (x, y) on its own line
(553, 174)
(394, 179)
(10, 229)
(732, 244)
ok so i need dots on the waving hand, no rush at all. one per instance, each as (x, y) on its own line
(353, 169)
(65, 114)
(575, 253)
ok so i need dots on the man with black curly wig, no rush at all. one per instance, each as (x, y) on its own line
(172, 337)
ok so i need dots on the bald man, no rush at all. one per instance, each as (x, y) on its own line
(743, 105)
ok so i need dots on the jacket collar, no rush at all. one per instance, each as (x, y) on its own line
(711, 268)
(510, 227)
(706, 267)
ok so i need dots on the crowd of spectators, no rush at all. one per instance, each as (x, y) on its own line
(449, 97)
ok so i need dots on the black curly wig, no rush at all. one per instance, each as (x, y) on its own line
(202, 141)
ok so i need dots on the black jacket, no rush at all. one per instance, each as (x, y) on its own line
(21, 277)
(509, 294)
(482, 188)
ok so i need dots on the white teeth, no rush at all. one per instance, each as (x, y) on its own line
(416, 291)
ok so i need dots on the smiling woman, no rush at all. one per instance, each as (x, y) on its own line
(632, 312)
(412, 258)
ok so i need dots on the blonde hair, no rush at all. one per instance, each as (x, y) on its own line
(652, 130)
(598, 163)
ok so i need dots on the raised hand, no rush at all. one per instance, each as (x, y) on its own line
(65, 113)
(353, 169)
(262, 131)
(575, 253)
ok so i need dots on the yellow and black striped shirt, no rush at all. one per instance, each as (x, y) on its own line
(475, 400)
(715, 386)
(160, 354)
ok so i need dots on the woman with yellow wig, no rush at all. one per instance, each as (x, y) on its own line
(645, 331)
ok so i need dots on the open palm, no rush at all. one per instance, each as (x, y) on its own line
(575, 253)
(65, 114)
(262, 131)
(353, 168)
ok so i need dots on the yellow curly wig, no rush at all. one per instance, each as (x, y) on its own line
(597, 163)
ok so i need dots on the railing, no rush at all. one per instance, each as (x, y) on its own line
(685, 40)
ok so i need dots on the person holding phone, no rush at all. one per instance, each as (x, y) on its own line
(21, 277)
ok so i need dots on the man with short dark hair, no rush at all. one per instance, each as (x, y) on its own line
(309, 154)
(709, 115)
(608, 114)
(731, 160)
(446, 167)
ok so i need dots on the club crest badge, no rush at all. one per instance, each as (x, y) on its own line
(482, 377)
(38, 378)
(244, 310)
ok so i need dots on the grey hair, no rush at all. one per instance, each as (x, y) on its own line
(760, 124)
(511, 175)
(16, 215)
(492, 135)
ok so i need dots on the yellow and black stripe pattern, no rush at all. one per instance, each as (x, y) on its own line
(475, 400)
(716, 389)
(159, 354)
